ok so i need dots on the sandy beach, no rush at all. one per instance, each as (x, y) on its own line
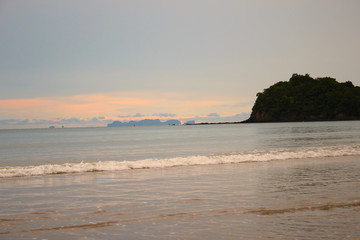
(292, 199)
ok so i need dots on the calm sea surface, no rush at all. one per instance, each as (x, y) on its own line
(244, 181)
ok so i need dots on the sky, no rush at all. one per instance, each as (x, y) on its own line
(88, 63)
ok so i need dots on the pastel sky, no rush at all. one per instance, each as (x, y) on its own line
(90, 62)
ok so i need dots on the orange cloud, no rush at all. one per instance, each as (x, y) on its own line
(81, 105)
(108, 105)
(99, 104)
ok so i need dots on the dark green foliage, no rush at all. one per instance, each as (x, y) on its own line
(303, 98)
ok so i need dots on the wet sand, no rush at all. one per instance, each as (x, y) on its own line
(291, 199)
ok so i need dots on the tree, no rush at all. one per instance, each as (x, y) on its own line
(304, 98)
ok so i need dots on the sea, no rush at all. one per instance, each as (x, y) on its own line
(224, 181)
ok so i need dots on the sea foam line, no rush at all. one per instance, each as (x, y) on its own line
(252, 156)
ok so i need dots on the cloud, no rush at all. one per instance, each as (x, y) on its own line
(79, 106)
(69, 122)
(218, 118)
(9, 122)
(164, 114)
(122, 106)
(213, 115)
(243, 116)
(103, 121)
(138, 115)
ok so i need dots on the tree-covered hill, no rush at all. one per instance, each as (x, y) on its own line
(303, 98)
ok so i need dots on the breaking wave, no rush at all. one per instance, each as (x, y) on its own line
(252, 156)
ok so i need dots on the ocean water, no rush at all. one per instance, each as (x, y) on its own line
(240, 181)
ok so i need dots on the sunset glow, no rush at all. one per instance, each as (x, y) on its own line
(117, 106)
(88, 63)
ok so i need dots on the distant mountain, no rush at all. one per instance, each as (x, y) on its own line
(192, 122)
(303, 98)
(145, 122)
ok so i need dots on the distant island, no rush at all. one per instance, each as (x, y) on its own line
(303, 98)
(145, 122)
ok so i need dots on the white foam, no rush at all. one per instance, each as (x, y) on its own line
(253, 156)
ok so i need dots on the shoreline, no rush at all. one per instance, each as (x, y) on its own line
(250, 121)
(286, 199)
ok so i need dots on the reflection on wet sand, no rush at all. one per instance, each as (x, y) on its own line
(309, 208)
(161, 217)
(310, 199)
